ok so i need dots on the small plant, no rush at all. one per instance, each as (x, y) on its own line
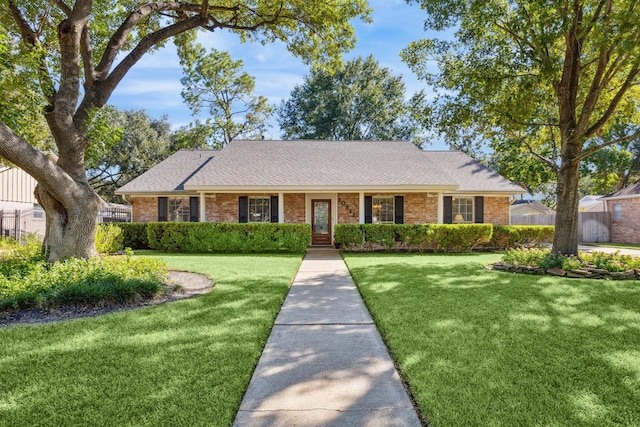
(544, 258)
(32, 282)
(109, 238)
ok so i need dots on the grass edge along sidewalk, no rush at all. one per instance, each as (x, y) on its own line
(481, 347)
(182, 363)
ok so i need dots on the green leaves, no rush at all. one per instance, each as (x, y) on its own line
(215, 82)
(361, 101)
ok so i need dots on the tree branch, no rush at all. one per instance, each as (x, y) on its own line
(543, 159)
(595, 148)
(63, 6)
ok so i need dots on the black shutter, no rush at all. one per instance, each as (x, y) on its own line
(399, 209)
(479, 209)
(194, 213)
(368, 209)
(274, 208)
(243, 209)
(163, 208)
(447, 217)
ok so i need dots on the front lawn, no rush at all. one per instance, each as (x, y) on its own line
(480, 347)
(181, 363)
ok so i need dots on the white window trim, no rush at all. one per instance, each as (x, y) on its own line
(268, 214)
(473, 209)
(393, 209)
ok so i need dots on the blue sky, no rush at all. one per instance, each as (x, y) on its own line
(154, 82)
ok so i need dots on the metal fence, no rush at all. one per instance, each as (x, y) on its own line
(593, 227)
(18, 223)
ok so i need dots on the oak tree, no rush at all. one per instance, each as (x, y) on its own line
(80, 51)
(360, 101)
(545, 77)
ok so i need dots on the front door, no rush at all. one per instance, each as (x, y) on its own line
(321, 222)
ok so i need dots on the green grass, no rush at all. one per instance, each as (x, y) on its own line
(181, 363)
(479, 347)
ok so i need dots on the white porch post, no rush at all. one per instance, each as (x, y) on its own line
(203, 208)
(281, 208)
(361, 208)
(440, 208)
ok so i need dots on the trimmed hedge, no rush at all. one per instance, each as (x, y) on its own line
(520, 236)
(134, 234)
(210, 237)
(420, 237)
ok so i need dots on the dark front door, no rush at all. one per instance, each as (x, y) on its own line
(321, 222)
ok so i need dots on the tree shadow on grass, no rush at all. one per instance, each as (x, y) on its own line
(181, 363)
(481, 347)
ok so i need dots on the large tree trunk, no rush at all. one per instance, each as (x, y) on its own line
(71, 223)
(565, 238)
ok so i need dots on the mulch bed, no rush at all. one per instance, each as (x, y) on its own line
(181, 285)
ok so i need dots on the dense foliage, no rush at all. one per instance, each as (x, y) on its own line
(542, 82)
(209, 237)
(544, 258)
(515, 236)
(28, 281)
(361, 101)
(419, 237)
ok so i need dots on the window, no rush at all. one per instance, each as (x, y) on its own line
(382, 210)
(617, 212)
(179, 210)
(259, 209)
(38, 212)
(462, 209)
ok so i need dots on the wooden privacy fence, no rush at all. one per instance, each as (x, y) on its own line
(593, 227)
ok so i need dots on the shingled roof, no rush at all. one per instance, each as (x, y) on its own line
(632, 190)
(319, 165)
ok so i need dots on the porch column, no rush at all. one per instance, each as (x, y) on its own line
(203, 208)
(281, 208)
(440, 208)
(361, 208)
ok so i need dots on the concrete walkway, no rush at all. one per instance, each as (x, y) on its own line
(325, 363)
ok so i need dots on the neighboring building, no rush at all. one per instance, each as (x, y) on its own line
(591, 204)
(624, 206)
(530, 207)
(321, 183)
(19, 209)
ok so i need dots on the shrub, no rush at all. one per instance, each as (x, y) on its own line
(515, 236)
(109, 238)
(433, 237)
(209, 237)
(134, 234)
(96, 282)
(544, 258)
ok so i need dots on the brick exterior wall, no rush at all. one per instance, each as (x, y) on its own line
(627, 229)
(496, 210)
(348, 210)
(420, 208)
(294, 208)
(145, 209)
(223, 207)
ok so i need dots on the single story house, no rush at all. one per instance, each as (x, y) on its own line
(591, 203)
(624, 206)
(530, 207)
(322, 183)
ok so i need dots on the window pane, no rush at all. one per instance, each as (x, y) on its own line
(617, 211)
(462, 209)
(382, 210)
(179, 210)
(259, 209)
